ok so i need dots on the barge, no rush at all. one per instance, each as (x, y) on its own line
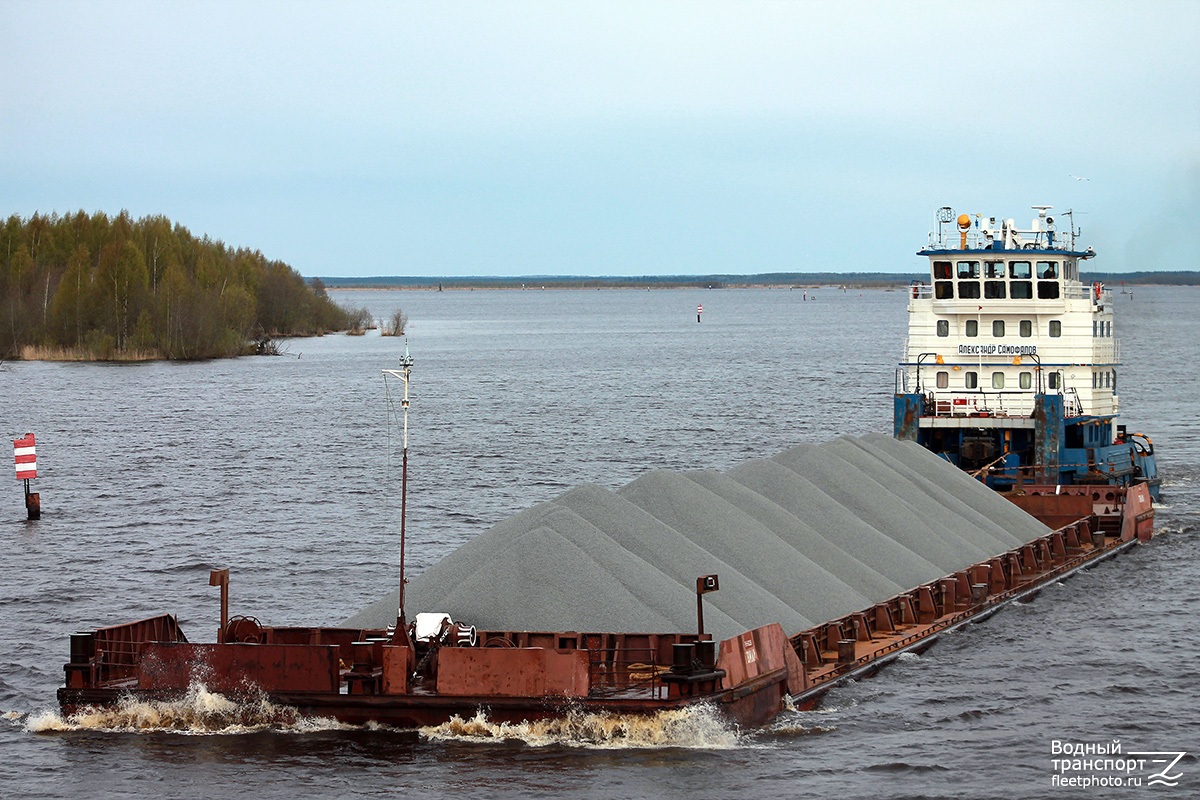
(815, 566)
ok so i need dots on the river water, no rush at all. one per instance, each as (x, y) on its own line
(286, 470)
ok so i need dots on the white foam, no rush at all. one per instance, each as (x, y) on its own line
(199, 712)
(695, 727)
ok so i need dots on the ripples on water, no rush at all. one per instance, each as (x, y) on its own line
(279, 468)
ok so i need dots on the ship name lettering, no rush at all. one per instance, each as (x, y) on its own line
(997, 349)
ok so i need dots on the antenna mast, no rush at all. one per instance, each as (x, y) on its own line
(404, 373)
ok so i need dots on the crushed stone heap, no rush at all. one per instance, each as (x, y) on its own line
(812, 534)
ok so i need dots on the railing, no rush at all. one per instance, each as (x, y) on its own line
(1070, 290)
(979, 404)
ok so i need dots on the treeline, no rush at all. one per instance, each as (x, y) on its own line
(104, 288)
(880, 280)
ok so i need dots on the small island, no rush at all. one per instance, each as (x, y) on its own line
(98, 288)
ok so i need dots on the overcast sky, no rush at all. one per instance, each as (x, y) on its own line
(597, 138)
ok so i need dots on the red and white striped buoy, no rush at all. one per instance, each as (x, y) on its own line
(25, 455)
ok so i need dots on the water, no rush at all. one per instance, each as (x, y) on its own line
(286, 470)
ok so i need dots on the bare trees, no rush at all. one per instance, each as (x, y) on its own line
(395, 325)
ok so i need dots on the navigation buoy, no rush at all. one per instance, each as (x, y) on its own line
(25, 457)
(699, 311)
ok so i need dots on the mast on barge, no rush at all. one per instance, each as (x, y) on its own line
(404, 374)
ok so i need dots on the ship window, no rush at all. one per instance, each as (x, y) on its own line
(1107, 380)
(997, 380)
(968, 289)
(1055, 380)
(941, 270)
(943, 380)
(1095, 379)
(943, 327)
(972, 327)
(1022, 270)
(998, 328)
(1026, 380)
(1070, 270)
(1047, 290)
(1026, 328)
(1047, 270)
(1095, 327)
(1114, 381)
(943, 290)
(971, 379)
(1021, 290)
(1108, 329)
(968, 269)
(1056, 328)
(994, 290)
(993, 269)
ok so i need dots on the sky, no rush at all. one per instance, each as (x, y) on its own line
(607, 138)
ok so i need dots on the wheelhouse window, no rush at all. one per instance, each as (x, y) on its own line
(941, 271)
(994, 290)
(1021, 273)
(1047, 270)
(993, 269)
(972, 327)
(943, 380)
(1071, 269)
(997, 380)
(943, 290)
(998, 328)
(943, 327)
(971, 380)
(1055, 328)
(1026, 328)
(968, 279)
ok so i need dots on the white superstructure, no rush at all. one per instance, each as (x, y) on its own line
(1005, 316)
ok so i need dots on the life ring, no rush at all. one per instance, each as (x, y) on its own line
(1096, 290)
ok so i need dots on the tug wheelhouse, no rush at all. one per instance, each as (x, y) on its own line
(1010, 367)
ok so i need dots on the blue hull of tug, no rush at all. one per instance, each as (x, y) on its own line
(1047, 447)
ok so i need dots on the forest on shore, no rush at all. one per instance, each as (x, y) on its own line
(94, 287)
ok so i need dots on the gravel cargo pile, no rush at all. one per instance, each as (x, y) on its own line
(814, 533)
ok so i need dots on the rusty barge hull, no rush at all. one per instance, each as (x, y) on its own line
(360, 676)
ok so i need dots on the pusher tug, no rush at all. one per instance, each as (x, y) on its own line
(863, 548)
